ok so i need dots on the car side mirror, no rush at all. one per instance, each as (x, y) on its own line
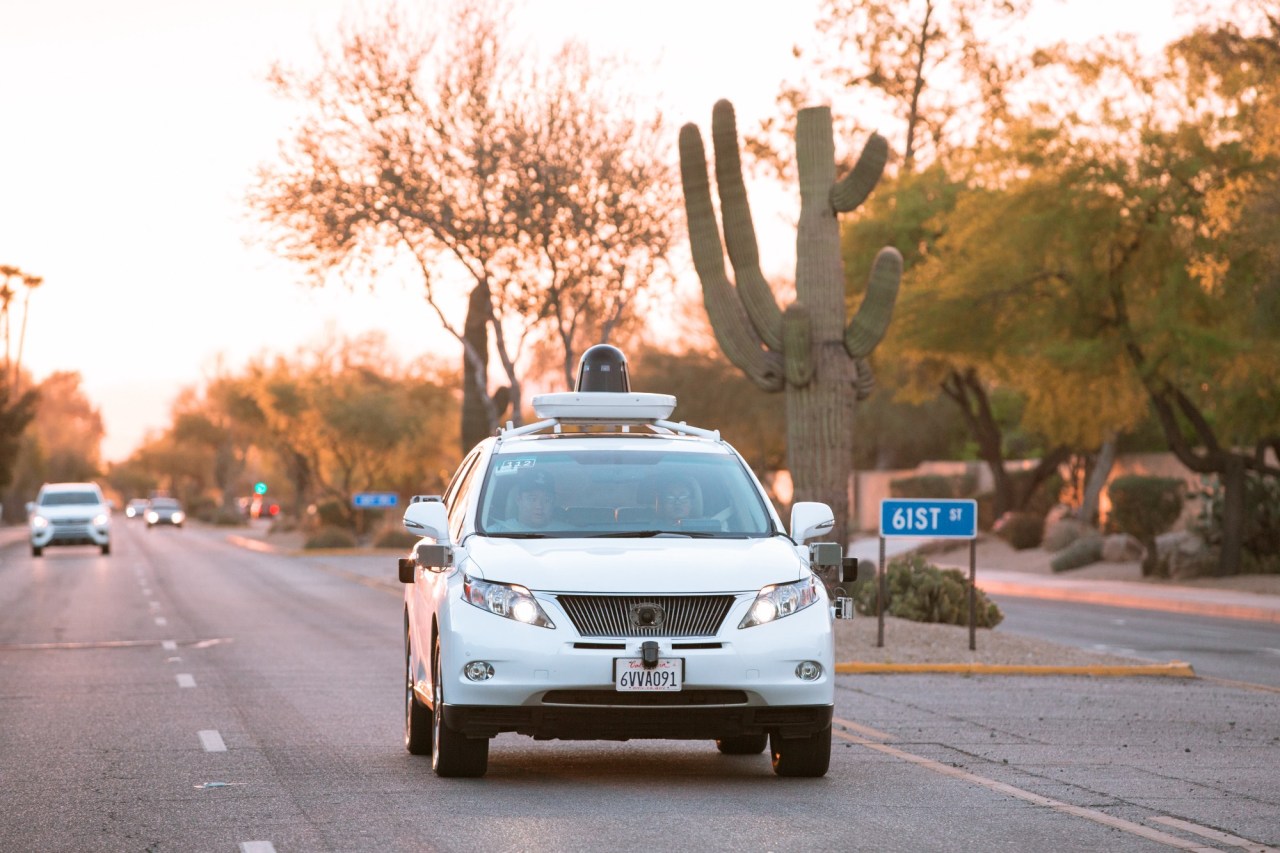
(810, 519)
(31, 507)
(427, 518)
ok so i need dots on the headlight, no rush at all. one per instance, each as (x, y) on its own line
(100, 520)
(153, 516)
(779, 600)
(178, 517)
(509, 600)
(39, 522)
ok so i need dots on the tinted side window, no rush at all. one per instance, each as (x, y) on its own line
(455, 497)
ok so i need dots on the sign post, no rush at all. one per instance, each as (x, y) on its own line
(929, 518)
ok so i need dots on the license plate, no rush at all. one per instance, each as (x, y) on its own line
(630, 675)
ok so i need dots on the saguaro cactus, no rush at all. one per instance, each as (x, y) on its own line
(808, 350)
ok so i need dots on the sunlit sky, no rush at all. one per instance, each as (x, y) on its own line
(129, 131)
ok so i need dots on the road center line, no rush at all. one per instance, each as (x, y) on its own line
(169, 646)
(1027, 796)
(211, 740)
(186, 679)
(1224, 838)
(257, 847)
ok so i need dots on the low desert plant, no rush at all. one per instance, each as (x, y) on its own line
(390, 537)
(920, 591)
(330, 537)
(1144, 507)
(1022, 530)
(1082, 552)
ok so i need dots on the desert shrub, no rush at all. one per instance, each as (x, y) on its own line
(916, 589)
(1261, 535)
(335, 514)
(1082, 552)
(933, 486)
(390, 537)
(1022, 530)
(330, 537)
(1144, 507)
(226, 516)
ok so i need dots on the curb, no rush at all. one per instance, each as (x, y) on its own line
(1122, 598)
(1173, 669)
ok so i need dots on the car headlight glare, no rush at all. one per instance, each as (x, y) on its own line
(509, 600)
(100, 520)
(39, 522)
(179, 517)
(779, 600)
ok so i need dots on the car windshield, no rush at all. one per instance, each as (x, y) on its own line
(618, 493)
(68, 498)
(164, 503)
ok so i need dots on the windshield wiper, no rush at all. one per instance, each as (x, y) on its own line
(517, 535)
(645, 534)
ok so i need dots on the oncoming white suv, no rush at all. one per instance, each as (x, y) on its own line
(69, 514)
(607, 574)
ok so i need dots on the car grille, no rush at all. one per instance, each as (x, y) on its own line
(69, 528)
(613, 698)
(617, 615)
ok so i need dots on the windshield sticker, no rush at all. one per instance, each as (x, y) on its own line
(511, 466)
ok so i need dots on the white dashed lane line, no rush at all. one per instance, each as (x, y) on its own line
(211, 741)
(257, 847)
(169, 646)
(186, 679)
(161, 621)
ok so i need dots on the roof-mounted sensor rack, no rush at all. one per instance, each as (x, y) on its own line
(595, 408)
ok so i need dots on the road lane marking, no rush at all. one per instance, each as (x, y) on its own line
(1027, 796)
(161, 621)
(169, 646)
(186, 679)
(211, 740)
(257, 847)
(1224, 838)
(866, 731)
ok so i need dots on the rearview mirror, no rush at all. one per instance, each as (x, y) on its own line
(427, 518)
(810, 519)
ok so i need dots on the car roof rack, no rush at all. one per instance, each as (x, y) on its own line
(604, 408)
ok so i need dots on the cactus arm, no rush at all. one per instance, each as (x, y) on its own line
(868, 326)
(797, 336)
(854, 188)
(739, 231)
(729, 321)
(864, 379)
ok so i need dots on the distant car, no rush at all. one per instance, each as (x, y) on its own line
(137, 508)
(165, 511)
(69, 514)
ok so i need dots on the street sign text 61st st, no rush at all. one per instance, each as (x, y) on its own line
(928, 517)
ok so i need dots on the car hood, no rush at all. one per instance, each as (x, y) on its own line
(660, 564)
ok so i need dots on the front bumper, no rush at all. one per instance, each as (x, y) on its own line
(73, 532)
(554, 683)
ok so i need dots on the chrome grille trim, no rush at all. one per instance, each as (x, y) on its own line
(609, 615)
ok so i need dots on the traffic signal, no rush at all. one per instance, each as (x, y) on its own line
(259, 488)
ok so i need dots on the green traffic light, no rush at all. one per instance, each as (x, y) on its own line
(259, 488)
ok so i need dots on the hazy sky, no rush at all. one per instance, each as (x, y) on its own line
(129, 131)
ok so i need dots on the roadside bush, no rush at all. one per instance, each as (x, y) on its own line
(1082, 552)
(335, 514)
(330, 537)
(1063, 532)
(1261, 533)
(226, 516)
(1022, 530)
(392, 538)
(920, 591)
(1144, 507)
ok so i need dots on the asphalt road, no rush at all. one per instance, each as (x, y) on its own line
(1233, 649)
(187, 694)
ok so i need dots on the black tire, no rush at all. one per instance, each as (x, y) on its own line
(453, 754)
(36, 550)
(106, 549)
(803, 756)
(417, 717)
(743, 744)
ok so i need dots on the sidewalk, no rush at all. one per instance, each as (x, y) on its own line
(1093, 588)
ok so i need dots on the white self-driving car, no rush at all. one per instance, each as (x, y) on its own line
(605, 573)
(69, 514)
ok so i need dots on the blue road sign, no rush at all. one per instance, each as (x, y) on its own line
(374, 500)
(937, 519)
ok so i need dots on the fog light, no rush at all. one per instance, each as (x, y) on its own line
(808, 670)
(478, 670)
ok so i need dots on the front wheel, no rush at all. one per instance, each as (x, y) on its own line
(36, 550)
(417, 717)
(743, 744)
(106, 549)
(453, 754)
(802, 756)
